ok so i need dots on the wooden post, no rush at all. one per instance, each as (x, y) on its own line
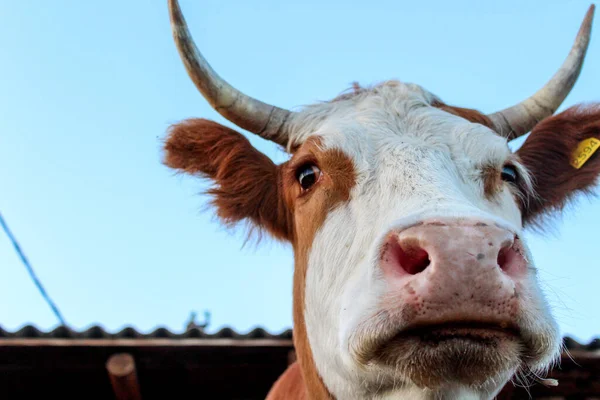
(123, 377)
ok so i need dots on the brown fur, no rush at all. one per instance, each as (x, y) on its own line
(547, 154)
(492, 181)
(248, 183)
(250, 186)
(310, 210)
(467, 113)
(314, 386)
(289, 386)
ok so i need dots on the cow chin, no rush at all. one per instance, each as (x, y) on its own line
(434, 359)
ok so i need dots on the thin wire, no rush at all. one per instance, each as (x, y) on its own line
(32, 274)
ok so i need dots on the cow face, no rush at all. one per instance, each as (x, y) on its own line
(408, 234)
(412, 276)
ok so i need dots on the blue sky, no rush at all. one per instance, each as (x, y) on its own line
(88, 90)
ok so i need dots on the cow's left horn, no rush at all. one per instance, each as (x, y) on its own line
(519, 119)
(265, 120)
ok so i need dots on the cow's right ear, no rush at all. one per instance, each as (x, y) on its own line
(247, 184)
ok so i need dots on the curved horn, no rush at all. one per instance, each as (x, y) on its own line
(246, 112)
(519, 119)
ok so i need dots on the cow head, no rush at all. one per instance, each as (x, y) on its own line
(406, 216)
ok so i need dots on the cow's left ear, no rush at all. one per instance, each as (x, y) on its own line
(560, 154)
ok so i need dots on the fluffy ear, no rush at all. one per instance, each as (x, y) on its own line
(247, 183)
(549, 153)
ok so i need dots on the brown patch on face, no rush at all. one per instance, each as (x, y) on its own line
(547, 154)
(248, 185)
(467, 113)
(492, 181)
(310, 210)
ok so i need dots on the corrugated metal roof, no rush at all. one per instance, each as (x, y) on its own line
(97, 332)
(572, 344)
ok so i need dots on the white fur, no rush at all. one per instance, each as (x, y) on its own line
(411, 160)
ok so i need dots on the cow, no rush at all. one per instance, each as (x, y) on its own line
(412, 278)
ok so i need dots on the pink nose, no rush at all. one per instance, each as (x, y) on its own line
(454, 261)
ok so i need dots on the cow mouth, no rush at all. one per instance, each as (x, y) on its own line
(466, 352)
(464, 334)
(474, 331)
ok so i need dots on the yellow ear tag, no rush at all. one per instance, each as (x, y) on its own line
(584, 151)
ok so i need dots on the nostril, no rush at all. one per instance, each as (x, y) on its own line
(502, 257)
(412, 259)
(510, 258)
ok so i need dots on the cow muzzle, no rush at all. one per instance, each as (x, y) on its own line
(468, 265)
(451, 308)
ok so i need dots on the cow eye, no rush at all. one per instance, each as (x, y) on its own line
(509, 174)
(308, 175)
